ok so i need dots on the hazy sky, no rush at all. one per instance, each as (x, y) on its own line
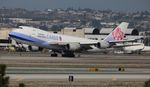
(117, 5)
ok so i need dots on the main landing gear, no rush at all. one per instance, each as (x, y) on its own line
(54, 54)
(64, 54)
(20, 47)
(68, 54)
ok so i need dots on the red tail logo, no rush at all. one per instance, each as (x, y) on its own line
(118, 34)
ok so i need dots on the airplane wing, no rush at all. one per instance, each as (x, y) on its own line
(72, 45)
(123, 41)
(65, 43)
(120, 45)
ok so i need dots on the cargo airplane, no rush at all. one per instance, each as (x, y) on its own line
(66, 45)
(136, 48)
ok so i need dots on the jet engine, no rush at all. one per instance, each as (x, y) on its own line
(73, 46)
(34, 48)
(102, 45)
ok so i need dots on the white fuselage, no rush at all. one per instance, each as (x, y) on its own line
(44, 39)
(37, 37)
(137, 48)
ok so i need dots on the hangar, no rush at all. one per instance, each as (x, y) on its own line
(4, 38)
(100, 34)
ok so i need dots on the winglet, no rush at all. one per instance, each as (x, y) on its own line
(118, 33)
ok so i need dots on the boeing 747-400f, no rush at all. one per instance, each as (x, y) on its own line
(66, 45)
(140, 47)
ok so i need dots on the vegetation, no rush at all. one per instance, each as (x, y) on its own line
(147, 83)
(21, 85)
(74, 18)
(4, 80)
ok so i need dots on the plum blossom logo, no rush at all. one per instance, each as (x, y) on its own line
(118, 34)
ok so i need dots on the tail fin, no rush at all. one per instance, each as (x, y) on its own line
(118, 33)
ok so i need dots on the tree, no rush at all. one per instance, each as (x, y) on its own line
(4, 80)
(44, 27)
(96, 23)
(57, 27)
(147, 83)
(21, 85)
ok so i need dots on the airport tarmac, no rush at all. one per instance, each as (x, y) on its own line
(37, 66)
(36, 59)
(42, 70)
(27, 73)
(80, 76)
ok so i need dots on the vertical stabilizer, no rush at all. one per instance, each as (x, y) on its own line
(118, 33)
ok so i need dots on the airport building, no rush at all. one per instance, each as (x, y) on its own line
(73, 32)
(98, 34)
(4, 38)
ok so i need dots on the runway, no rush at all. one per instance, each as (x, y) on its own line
(27, 73)
(85, 61)
(80, 76)
(38, 70)
(42, 66)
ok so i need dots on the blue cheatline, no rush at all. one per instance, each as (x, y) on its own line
(25, 37)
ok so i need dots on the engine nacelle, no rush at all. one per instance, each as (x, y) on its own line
(34, 48)
(102, 45)
(73, 46)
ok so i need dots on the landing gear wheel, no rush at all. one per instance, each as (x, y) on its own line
(68, 54)
(105, 52)
(54, 55)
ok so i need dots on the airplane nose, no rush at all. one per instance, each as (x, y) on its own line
(12, 33)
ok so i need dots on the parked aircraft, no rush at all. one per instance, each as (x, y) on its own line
(66, 45)
(136, 48)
